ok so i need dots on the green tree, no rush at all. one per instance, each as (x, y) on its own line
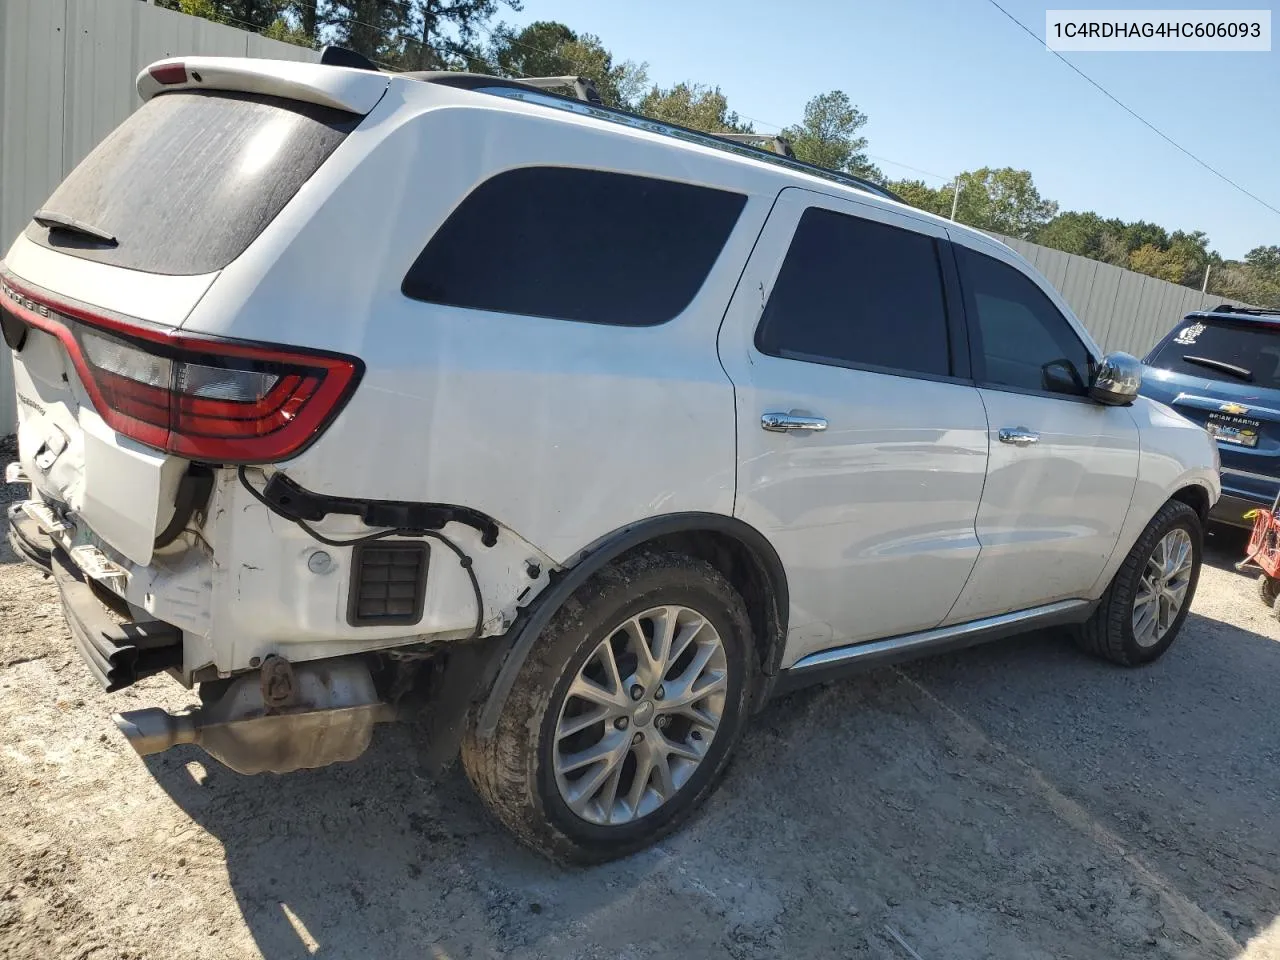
(1084, 234)
(919, 194)
(446, 32)
(1243, 281)
(550, 49)
(375, 28)
(1003, 200)
(1140, 233)
(1154, 262)
(695, 106)
(1266, 260)
(247, 14)
(304, 19)
(293, 21)
(828, 136)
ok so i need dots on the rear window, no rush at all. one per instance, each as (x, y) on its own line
(1221, 350)
(186, 183)
(576, 245)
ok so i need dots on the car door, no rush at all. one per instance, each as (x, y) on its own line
(862, 447)
(1062, 468)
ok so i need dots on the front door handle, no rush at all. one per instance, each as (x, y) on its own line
(1019, 436)
(791, 423)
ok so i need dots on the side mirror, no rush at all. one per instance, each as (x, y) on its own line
(1117, 381)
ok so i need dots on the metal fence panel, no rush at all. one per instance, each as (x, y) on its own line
(32, 56)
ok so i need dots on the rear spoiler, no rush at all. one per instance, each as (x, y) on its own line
(343, 88)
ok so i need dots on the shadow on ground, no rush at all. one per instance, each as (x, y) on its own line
(1018, 799)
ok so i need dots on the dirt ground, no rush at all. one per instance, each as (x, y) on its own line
(1018, 800)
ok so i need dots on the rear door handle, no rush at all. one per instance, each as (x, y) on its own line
(792, 423)
(1019, 436)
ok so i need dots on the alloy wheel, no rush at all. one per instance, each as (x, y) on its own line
(1163, 588)
(640, 715)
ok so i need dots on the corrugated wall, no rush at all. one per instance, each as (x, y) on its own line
(1122, 309)
(66, 80)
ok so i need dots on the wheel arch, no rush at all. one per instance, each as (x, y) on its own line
(739, 551)
(1197, 497)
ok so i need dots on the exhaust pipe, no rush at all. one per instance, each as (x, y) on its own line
(154, 730)
(278, 721)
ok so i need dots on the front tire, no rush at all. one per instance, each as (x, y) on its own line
(1147, 602)
(624, 714)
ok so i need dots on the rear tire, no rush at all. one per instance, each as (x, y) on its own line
(664, 727)
(1152, 575)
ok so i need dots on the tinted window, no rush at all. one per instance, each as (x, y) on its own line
(858, 292)
(188, 181)
(1020, 338)
(1219, 350)
(576, 245)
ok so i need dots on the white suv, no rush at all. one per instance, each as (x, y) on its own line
(349, 395)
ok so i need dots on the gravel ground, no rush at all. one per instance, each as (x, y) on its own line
(1018, 800)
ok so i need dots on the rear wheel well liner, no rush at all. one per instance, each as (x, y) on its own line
(738, 550)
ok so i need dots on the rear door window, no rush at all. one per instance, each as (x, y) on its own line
(859, 293)
(1240, 352)
(573, 244)
(186, 183)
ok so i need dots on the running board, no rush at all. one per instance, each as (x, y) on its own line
(829, 664)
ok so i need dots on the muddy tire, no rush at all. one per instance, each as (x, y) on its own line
(662, 725)
(1147, 602)
(1268, 588)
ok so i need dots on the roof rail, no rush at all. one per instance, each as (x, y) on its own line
(776, 143)
(728, 142)
(583, 88)
(773, 148)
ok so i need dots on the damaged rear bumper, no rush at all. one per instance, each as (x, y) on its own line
(118, 651)
(27, 540)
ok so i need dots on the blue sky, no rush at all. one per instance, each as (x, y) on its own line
(952, 85)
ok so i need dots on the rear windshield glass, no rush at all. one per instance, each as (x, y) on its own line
(1218, 350)
(186, 183)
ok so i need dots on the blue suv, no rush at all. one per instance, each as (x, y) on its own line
(1221, 368)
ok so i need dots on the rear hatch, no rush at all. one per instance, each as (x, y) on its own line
(114, 403)
(1224, 373)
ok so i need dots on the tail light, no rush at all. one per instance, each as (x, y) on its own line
(215, 400)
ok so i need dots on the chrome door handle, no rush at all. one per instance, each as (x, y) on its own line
(1018, 436)
(791, 423)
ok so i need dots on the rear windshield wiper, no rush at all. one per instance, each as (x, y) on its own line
(59, 221)
(1238, 372)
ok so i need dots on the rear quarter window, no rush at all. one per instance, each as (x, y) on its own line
(192, 178)
(574, 244)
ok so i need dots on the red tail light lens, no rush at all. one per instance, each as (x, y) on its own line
(214, 400)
